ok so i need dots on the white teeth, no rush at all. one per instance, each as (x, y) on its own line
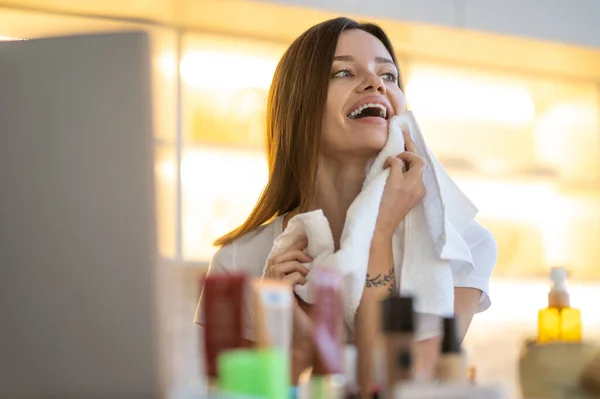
(358, 110)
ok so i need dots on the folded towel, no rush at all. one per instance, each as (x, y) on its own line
(430, 256)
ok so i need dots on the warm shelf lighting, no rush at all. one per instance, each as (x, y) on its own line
(210, 69)
(8, 38)
(453, 97)
(220, 188)
(529, 202)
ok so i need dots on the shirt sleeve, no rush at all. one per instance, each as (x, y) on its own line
(484, 252)
(222, 257)
(223, 263)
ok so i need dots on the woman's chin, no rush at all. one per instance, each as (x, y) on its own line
(359, 146)
(376, 144)
(371, 151)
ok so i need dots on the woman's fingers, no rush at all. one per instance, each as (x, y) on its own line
(280, 270)
(293, 254)
(290, 267)
(413, 161)
(294, 278)
(391, 162)
(300, 244)
(409, 143)
(290, 262)
(407, 159)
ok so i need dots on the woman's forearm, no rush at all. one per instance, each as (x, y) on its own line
(426, 354)
(300, 362)
(427, 350)
(380, 283)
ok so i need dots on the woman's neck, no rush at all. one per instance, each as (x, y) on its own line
(337, 185)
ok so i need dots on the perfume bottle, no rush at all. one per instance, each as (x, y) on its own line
(559, 321)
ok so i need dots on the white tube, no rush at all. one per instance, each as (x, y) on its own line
(273, 306)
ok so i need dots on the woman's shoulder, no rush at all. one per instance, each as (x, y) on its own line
(249, 252)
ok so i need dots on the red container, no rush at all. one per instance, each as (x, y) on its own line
(328, 323)
(222, 301)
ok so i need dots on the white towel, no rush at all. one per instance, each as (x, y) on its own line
(434, 256)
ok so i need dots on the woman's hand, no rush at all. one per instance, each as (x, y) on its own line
(288, 267)
(404, 188)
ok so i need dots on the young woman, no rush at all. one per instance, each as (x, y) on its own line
(318, 154)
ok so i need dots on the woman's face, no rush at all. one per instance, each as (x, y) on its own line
(363, 95)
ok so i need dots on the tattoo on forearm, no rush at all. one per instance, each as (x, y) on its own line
(388, 279)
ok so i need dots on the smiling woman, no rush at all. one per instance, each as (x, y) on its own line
(329, 107)
(363, 94)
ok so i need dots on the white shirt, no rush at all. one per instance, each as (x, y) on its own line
(248, 254)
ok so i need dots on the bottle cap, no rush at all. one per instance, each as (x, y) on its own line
(559, 297)
(397, 314)
(558, 275)
(450, 342)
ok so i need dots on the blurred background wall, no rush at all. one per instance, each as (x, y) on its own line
(507, 95)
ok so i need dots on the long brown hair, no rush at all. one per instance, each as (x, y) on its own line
(294, 112)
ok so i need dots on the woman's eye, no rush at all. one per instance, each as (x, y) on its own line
(389, 76)
(344, 73)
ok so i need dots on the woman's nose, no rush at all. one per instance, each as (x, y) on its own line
(373, 82)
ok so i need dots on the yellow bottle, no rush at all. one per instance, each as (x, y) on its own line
(559, 321)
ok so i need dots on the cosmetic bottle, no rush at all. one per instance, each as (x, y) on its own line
(273, 302)
(398, 327)
(451, 366)
(254, 373)
(223, 321)
(559, 322)
(327, 379)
